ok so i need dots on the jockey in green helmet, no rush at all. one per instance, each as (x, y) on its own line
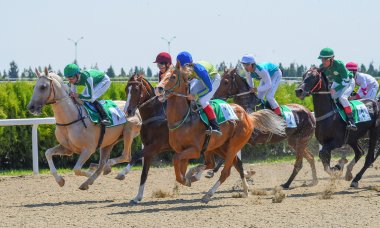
(96, 83)
(342, 82)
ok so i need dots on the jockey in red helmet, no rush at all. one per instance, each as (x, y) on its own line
(164, 64)
(368, 85)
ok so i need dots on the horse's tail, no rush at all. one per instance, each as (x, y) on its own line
(267, 121)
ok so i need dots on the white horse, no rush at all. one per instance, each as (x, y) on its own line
(75, 132)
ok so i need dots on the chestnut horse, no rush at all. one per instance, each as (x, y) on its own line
(75, 132)
(154, 131)
(236, 87)
(331, 130)
(187, 133)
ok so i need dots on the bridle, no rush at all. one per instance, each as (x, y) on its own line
(140, 83)
(318, 85)
(54, 100)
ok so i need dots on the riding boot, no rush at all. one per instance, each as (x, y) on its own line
(215, 126)
(351, 122)
(212, 119)
(103, 116)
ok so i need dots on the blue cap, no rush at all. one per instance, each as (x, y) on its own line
(184, 58)
(248, 59)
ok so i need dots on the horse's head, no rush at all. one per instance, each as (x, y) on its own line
(231, 84)
(138, 90)
(49, 89)
(312, 82)
(174, 83)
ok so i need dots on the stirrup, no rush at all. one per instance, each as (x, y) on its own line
(351, 127)
(105, 122)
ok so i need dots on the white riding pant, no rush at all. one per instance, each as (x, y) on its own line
(344, 93)
(99, 89)
(269, 94)
(371, 92)
(196, 85)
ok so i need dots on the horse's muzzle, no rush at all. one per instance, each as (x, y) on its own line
(34, 109)
(300, 93)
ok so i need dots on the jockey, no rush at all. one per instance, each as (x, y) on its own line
(269, 75)
(96, 83)
(342, 82)
(164, 64)
(205, 81)
(368, 85)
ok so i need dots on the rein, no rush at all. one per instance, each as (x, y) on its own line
(55, 101)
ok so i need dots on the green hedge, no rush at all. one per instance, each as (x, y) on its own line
(16, 144)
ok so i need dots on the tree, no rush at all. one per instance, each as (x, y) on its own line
(31, 73)
(371, 69)
(50, 68)
(5, 75)
(13, 71)
(363, 68)
(60, 73)
(149, 72)
(122, 73)
(110, 72)
(292, 70)
(24, 73)
(300, 70)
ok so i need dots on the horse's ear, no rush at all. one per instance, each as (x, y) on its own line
(46, 71)
(141, 74)
(225, 70)
(37, 72)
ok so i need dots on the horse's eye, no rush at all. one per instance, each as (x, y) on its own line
(172, 77)
(42, 87)
(225, 81)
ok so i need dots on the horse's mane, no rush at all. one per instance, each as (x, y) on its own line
(241, 78)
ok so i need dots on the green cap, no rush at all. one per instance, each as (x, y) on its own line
(326, 53)
(71, 70)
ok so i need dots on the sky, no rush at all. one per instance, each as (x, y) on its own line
(125, 33)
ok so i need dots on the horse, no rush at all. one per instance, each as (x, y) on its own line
(75, 132)
(234, 86)
(316, 84)
(187, 133)
(154, 131)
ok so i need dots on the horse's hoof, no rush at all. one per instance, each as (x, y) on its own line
(134, 201)
(60, 181)
(120, 176)
(209, 174)
(348, 176)
(244, 195)
(93, 166)
(206, 198)
(314, 183)
(107, 170)
(84, 187)
(354, 185)
(249, 174)
(285, 186)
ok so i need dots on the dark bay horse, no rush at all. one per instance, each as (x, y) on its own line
(236, 87)
(187, 133)
(154, 130)
(331, 129)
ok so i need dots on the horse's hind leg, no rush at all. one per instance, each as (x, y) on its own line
(104, 155)
(369, 159)
(83, 157)
(130, 131)
(57, 150)
(310, 158)
(358, 154)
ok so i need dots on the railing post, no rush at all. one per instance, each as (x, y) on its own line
(35, 148)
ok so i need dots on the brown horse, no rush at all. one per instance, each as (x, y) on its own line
(187, 133)
(75, 132)
(234, 86)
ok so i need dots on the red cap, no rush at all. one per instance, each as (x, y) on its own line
(163, 57)
(352, 66)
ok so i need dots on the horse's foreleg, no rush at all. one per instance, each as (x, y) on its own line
(180, 161)
(299, 148)
(57, 150)
(148, 156)
(325, 156)
(137, 156)
(83, 157)
(358, 154)
(104, 155)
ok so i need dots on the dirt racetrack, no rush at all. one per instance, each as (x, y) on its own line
(37, 201)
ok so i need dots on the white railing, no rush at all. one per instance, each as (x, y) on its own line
(34, 122)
